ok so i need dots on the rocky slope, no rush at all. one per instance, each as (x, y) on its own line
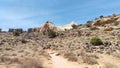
(113, 20)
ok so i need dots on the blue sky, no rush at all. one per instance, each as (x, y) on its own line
(33, 13)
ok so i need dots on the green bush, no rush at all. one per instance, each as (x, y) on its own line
(52, 34)
(96, 41)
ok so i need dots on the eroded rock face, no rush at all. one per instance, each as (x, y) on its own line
(48, 26)
(44, 29)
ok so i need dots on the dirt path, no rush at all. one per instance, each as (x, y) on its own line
(60, 62)
(57, 61)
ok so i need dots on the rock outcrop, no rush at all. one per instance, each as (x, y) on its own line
(106, 20)
(48, 26)
(68, 26)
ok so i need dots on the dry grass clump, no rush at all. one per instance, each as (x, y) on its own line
(4, 59)
(70, 57)
(88, 58)
(44, 54)
(8, 60)
(31, 63)
(82, 57)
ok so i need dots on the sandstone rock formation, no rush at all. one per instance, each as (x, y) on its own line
(68, 26)
(48, 26)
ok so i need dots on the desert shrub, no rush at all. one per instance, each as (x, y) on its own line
(116, 23)
(89, 23)
(94, 28)
(4, 59)
(52, 34)
(79, 33)
(70, 57)
(31, 63)
(9, 60)
(14, 60)
(23, 40)
(89, 60)
(74, 26)
(96, 41)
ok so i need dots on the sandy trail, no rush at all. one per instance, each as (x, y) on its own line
(60, 62)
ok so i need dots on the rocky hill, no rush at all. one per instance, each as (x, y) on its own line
(113, 20)
(51, 26)
(46, 27)
(86, 46)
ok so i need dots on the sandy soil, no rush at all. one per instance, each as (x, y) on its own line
(60, 62)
